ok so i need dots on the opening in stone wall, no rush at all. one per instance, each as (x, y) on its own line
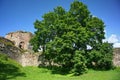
(21, 45)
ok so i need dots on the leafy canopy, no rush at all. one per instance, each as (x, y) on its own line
(66, 35)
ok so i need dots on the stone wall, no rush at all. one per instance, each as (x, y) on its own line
(20, 38)
(7, 47)
(25, 58)
(29, 59)
(116, 57)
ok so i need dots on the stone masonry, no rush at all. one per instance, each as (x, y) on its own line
(116, 57)
(21, 39)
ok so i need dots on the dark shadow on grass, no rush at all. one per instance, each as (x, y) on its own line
(9, 71)
(56, 70)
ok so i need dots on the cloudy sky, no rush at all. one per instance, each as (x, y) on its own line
(21, 14)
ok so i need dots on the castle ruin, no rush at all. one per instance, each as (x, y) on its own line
(16, 46)
(21, 39)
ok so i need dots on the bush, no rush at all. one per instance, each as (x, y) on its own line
(105, 62)
(79, 63)
(102, 57)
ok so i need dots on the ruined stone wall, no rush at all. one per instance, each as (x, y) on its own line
(25, 58)
(29, 59)
(7, 47)
(116, 57)
(21, 39)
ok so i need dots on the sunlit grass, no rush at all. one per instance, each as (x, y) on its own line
(34, 73)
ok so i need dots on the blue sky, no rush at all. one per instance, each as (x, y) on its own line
(21, 14)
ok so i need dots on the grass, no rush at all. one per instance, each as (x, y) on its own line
(10, 70)
(34, 73)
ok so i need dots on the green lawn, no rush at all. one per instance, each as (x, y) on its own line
(34, 73)
(10, 70)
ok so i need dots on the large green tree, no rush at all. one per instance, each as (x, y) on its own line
(66, 35)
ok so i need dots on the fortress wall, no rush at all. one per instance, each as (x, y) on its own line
(116, 57)
(21, 39)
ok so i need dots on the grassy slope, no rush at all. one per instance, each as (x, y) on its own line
(10, 70)
(34, 73)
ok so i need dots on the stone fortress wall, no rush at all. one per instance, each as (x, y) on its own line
(116, 57)
(20, 38)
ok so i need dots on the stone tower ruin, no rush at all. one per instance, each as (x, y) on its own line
(21, 39)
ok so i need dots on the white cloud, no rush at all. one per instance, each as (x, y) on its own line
(113, 39)
(104, 40)
(116, 45)
(89, 47)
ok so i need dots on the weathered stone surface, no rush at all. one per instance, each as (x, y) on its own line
(25, 58)
(116, 57)
(20, 38)
(7, 47)
(29, 59)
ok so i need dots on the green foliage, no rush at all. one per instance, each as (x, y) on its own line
(105, 62)
(65, 35)
(102, 57)
(79, 63)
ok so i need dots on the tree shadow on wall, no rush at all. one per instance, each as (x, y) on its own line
(9, 71)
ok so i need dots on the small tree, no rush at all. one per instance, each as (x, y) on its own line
(65, 36)
(105, 62)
